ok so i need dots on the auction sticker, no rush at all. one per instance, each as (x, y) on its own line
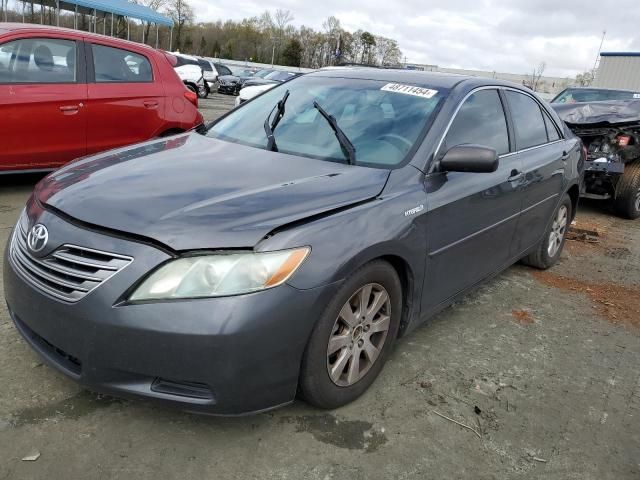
(409, 90)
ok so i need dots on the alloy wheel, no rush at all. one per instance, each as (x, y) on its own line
(358, 335)
(558, 230)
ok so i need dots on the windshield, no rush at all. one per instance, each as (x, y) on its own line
(241, 72)
(382, 121)
(279, 76)
(582, 95)
(262, 73)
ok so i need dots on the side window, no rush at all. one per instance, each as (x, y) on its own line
(117, 65)
(529, 124)
(38, 60)
(552, 131)
(480, 121)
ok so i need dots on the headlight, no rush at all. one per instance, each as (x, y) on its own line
(220, 275)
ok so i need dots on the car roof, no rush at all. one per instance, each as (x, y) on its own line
(34, 27)
(413, 77)
(598, 89)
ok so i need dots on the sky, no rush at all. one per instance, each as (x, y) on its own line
(512, 36)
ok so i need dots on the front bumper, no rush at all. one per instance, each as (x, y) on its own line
(225, 356)
(229, 88)
(605, 166)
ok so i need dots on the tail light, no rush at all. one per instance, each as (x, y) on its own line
(192, 97)
(623, 140)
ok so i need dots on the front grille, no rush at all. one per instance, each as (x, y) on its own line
(70, 272)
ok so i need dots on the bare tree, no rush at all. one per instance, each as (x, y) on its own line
(584, 79)
(182, 15)
(533, 81)
(282, 19)
(156, 5)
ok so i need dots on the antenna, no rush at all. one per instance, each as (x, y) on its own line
(595, 65)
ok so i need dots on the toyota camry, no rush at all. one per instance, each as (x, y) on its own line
(284, 250)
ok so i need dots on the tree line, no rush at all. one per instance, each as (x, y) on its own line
(269, 37)
(272, 37)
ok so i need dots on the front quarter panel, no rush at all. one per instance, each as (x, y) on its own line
(392, 225)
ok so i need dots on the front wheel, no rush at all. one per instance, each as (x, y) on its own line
(627, 203)
(352, 340)
(203, 91)
(547, 252)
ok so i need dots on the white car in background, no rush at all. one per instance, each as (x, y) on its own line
(192, 74)
(247, 93)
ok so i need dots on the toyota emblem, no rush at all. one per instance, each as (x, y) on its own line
(38, 238)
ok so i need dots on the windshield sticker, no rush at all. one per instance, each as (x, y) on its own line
(409, 90)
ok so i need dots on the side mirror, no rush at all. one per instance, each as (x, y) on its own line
(470, 158)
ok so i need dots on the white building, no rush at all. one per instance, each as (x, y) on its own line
(619, 70)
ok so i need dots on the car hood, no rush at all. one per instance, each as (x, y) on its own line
(260, 81)
(194, 192)
(248, 93)
(612, 112)
(228, 78)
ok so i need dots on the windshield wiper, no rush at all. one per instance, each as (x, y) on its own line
(345, 143)
(269, 127)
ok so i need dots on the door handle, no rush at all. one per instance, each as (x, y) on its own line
(150, 104)
(565, 156)
(70, 109)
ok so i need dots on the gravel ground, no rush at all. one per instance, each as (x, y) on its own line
(541, 367)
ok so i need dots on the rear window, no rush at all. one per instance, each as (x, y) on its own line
(114, 65)
(180, 61)
(206, 66)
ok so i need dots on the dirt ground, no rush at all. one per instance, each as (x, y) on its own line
(542, 369)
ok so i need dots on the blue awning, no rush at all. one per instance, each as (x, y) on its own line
(124, 8)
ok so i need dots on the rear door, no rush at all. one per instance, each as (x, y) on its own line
(543, 155)
(43, 94)
(126, 101)
(471, 217)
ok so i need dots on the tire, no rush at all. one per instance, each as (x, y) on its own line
(548, 251)
(193, 88)
(627, 202)
(202, 92)
(316, 384)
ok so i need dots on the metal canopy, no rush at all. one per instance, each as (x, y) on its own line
(116, 7)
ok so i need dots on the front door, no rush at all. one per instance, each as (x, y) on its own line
(42, 103)
(471, 217)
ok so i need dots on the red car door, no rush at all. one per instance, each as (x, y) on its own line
(42, 101)
(126, 100)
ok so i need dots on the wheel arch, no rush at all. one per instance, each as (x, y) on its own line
(407, 280)
(574, 195)
(409, 277)
(171, 131)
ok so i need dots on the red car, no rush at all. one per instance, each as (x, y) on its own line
(65, 94)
